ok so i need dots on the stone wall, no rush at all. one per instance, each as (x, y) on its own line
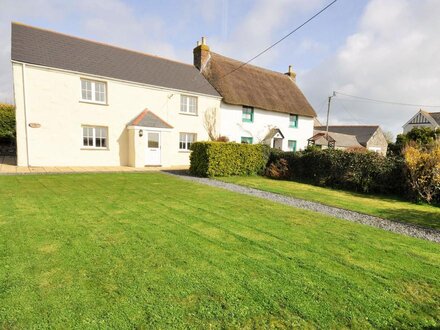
(378, 140)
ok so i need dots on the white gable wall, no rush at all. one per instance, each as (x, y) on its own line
(419, 120)
(233, 127)
(53, 102)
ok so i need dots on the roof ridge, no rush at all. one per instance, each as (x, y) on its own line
(100, 43)
(251, 65)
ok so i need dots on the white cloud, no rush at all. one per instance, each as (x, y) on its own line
(393, 56)
(260, 27)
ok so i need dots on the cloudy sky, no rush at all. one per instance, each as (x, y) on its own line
(380, 49)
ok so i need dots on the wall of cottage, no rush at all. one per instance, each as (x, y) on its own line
(378, 143)
(234, 128)
(54, 109)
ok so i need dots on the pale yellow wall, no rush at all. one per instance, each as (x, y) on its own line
(53, 100)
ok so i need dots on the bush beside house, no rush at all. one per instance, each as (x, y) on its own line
(209, 159)
(7, 129)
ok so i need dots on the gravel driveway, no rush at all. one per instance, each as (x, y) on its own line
(394, 226)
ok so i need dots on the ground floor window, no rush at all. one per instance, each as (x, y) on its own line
(95, 136)
(292, 145)
(247, 140)
(186, 139)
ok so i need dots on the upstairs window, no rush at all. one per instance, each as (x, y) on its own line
(186, 139)
(247, 115)
(93, 91)
(95, 137)
(293, 121)
(188, 104)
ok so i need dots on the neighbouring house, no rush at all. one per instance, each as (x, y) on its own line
(351, 137)
(423, 119)
(258, 105)
(334, 140)
(85, 103)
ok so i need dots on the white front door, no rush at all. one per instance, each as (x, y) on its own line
(152, 157)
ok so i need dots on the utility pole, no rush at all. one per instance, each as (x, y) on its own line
(328, 112)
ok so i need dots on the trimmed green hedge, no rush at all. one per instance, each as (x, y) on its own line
(7, 124)
(209, 159)
(364, 172)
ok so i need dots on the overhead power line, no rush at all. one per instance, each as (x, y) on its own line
(280, 40)
(388, 102)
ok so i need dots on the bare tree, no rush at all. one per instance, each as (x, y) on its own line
(389, 136)
(210, 123)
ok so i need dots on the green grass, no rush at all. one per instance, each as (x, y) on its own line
(154, 251)
(385, 207)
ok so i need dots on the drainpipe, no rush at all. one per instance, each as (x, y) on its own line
(25, 113)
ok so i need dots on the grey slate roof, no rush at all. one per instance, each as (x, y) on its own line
(56, 50)
(363, 133)
(341, 140)
(149, 119)
(435, 116)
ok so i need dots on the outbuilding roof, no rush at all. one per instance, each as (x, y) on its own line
(47, 48)
(363, 133)
(256, 87)
(340, 140)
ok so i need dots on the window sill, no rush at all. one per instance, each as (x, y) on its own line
(189, 114)
(247, 121)
(92, 148)
(184, 151)
(92, 102)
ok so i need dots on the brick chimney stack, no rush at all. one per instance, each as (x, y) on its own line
(201, 54)
(291, 73)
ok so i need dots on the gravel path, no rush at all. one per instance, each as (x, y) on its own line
(394, 226)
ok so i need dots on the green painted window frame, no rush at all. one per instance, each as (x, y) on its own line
(292, 145)
(246, 139)
(247, 111)
(293, 123)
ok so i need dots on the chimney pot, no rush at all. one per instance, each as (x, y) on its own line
(291, 73)
(201, 54)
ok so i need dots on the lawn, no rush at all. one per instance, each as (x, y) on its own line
(154, 251)
(385, 207)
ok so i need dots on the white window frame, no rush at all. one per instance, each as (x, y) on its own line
(93, 84)
(94, 136)
(185, 105)
(183, 138)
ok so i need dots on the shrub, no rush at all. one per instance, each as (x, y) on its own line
(222, 138)
(278, 169)
(209, 159)
(423, 168)
(7, 124)
(365, 172)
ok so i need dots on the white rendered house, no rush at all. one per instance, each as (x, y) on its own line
(84, 103)
(258, 105)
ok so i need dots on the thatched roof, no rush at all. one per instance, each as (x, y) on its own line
(256, 87)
